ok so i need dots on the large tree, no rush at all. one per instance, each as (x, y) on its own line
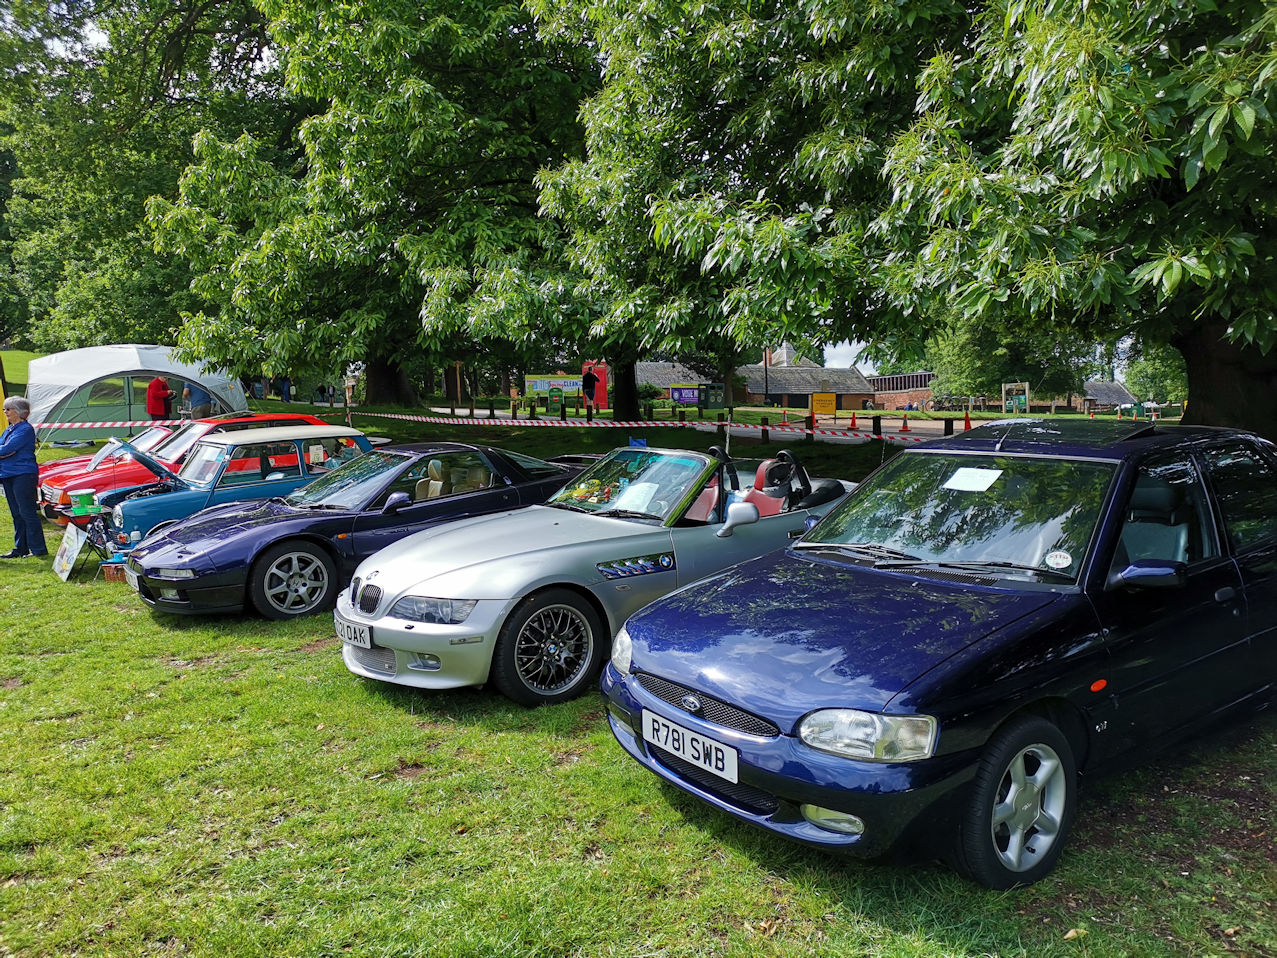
(1104, 167)
(98, 105)
(835, 170)
(410, 223)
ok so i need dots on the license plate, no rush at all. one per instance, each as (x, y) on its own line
(352, 633)
(705, 753)
(131, 578)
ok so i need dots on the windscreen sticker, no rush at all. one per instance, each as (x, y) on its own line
(1059, 559)
(968, 479)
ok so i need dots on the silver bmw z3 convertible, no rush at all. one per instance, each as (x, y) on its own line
(531, 598)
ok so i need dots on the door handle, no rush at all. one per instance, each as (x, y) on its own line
(1226, 594)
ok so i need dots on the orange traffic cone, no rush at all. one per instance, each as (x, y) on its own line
(905, 426)
(853, 420)
(966, 420)
(1092, 413)
(1119, 412)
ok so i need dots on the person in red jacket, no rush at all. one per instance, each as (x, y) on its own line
(159, 398)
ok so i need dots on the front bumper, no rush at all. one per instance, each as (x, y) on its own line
(207, 594)
(401, 649)
(899, 804)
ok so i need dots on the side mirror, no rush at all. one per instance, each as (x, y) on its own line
(738, 514)
(395, 502)
(1154, 574)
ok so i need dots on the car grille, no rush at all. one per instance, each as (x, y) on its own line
(746, 796)
(711, 710)
(376, 659)
(368, 599)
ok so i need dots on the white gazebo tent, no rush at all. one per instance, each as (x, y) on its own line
(107, 384)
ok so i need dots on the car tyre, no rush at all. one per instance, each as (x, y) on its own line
(292, 579)
(549, 648)
(1022, 804)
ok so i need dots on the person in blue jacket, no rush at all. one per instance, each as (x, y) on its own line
(19, 475)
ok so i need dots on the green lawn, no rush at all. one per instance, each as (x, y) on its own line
(224, 786)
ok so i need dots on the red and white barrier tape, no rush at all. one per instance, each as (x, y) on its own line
(577, 423)
(623, 424)
(109, 425)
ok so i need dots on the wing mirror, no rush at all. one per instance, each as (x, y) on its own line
(1154, 574)
(395, 502)
(738, 514)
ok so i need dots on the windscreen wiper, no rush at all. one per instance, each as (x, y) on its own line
(566, 505)
(979, 564)
(865, 550)
(627, 514)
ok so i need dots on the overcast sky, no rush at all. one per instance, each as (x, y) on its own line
(844, 355)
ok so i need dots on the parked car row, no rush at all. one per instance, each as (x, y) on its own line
(928, 664)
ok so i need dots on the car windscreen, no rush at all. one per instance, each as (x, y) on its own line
(352, 484)
(1003, 514)
(634, 483)
(179, 444)
(202, 465)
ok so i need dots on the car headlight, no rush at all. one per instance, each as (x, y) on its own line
(870, 736)
(438, 611)
(117, 517)
(174, 573)
(622, 651)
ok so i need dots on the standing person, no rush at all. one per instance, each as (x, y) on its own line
(285, 389)
(159, 398)
(199, 398)
(19, 475)
(588, 381)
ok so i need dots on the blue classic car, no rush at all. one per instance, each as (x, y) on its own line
(985, 618)
(228, 467)
(288, 556)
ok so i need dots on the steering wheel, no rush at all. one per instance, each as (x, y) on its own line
(799, 475)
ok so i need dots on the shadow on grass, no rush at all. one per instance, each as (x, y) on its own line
(1194, 824)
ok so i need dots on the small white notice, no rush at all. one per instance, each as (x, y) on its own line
(968, 479)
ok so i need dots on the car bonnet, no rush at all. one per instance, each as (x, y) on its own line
(216, 526)
(491, 557)
(782, 635)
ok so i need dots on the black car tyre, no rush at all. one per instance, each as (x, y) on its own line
(292, 579)
(1021, 808)
(549, 648)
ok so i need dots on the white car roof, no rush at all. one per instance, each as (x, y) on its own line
(277, 434)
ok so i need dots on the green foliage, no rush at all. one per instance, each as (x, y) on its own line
(409, 222)
(1157, 372)
(99, 121)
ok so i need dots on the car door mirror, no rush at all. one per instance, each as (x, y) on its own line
(1154, 574)
(395, 502)
(738, 514)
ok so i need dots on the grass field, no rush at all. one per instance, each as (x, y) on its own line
(221, 786)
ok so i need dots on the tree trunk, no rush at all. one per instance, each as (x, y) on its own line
(385, 383)
(456, 383)
(1228, 384)
(623, 390)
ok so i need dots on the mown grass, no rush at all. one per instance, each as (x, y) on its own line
(223, 786)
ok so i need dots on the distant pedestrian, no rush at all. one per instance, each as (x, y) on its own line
(159, 398)
(285, 389)
(201, 402)
(19, 475)
(589, 380)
